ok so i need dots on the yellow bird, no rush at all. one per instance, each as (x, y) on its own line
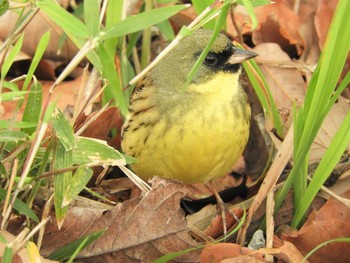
(191, 134)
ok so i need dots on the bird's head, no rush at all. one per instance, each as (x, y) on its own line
(174, 68)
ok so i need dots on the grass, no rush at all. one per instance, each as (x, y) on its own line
(28, 156)
(321, 95)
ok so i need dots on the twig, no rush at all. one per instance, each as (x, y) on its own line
(233, 20)
(283, 156)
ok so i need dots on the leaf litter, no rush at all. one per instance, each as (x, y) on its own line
(289, 39)
(129, 226)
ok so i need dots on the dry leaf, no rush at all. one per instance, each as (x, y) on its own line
(155, 222)
(287, 253)
(323, 19)
(65, 97)
(34, 31)
(28, 254)
(218, 252)
(328, 129)
(278, 23)
(331, 221)
(287, 87)
(301, 23)
(102, 127)
(21, 55)
(243, 259)
(284, 81)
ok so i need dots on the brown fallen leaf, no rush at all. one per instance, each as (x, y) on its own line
(330, 222)
(218, 252)
(287, 252)
(243, 259)
(278, 23)
(323, 19)
(305, 10)
(240, 14)
(328, 129)
(154, 223)
(101, 127)
(27, 254)
(303, 24)
(65, 97)
(34, 31)
(284, 79)
(287, 87)
(215, 229)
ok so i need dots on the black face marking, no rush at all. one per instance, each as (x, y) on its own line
(218, 61)
(233, 68)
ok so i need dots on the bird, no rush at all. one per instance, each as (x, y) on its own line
(192, 133)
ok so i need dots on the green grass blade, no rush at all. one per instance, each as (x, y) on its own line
(64, 130)
(4, 124)
(114, 87)
(113, 16)
(4, 6)
(330, 159)
(39, 52)
(341, 239)
(13, 95)
(320, 91)
(67, 251)
(200, 6)
(94, 151)
(343, 85)
(10, 85)
(141, 21)
(67, 21)
(12, 136)
(11, 57)
(250, 9)
(7, 256)
(171, 256)
(77, 183)
(20, 207)
(256, 3)
(258, 81)
(63, 159)
(300, 182)
(2, 239)
(92, 16)
(32, 111)
(167, 30)
(327, 74)
(72, 26)
(218, 26)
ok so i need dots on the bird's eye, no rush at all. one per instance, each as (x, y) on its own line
(211, 60)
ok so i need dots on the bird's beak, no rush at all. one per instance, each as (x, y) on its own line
(240, 55)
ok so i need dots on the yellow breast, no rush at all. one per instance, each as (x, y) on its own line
(195, 142)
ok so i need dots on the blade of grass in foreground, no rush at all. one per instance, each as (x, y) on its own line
(20, 206)
(257, 79)
(73, 248)
(141, 21)
(91, 16)
(62, 159)
(330, 159)
(32, 111)
(63, 18)
(171, 256)
(342, 239)
(11, 57)
(223, 10)
(39, 52)
(318, 97)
